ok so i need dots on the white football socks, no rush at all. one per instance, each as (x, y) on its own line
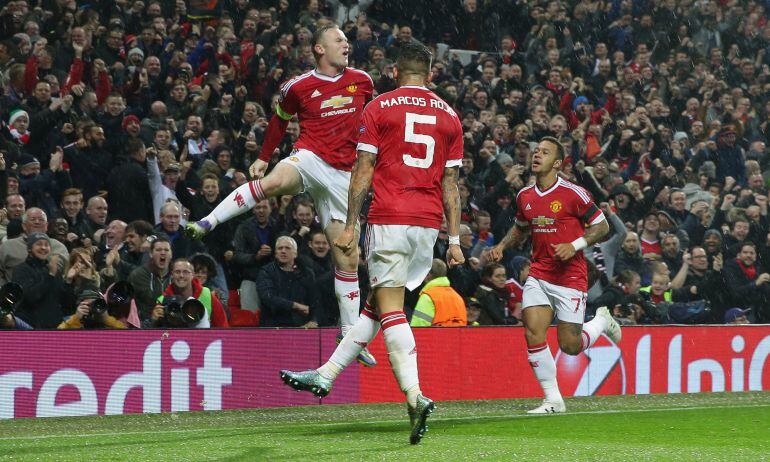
(359, 336)
(592, 330)
(241, 200)
(402, 352)
(348, 298)
(544, 367)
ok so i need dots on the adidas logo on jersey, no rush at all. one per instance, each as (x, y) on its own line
(528, 207)
(315, 94)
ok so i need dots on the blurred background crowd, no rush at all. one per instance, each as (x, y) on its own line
(121, 120)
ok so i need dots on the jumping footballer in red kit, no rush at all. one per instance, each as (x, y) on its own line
(562, 219)
(329, 102)
(409, 151)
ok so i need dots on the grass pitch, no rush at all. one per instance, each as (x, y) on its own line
(703, 427)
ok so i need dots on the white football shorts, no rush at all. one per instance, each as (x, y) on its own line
(568, 304)
(399, 255)
(327, 185)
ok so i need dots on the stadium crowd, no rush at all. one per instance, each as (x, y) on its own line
(122, 120)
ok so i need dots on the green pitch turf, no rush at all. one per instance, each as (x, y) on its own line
(705, 427)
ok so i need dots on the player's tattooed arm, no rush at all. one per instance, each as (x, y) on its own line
(596, 232)
(515, 237)
(451, 197)
(360, 182)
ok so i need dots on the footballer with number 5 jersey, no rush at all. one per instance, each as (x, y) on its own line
(329, 102)
(410, 151)
(562, 220)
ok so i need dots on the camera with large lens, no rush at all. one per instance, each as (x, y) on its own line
(94, 316)
(119, 299)
(10, 296)
(182, 313)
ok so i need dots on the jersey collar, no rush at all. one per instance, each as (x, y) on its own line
(318, 75)
(543, 193)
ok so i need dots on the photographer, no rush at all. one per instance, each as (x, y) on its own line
(91, 313)
(184, 286)
(10, 296)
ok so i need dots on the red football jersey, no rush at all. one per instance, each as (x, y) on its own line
(556, 216)
(415, 135)
(651, 247)
(515, 293)
(329, 111)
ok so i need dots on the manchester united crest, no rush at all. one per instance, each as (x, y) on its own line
(352, 88)
(555, 206)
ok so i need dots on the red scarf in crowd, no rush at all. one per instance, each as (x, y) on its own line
(749, 271)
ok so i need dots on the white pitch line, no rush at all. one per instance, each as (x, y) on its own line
(377, 422)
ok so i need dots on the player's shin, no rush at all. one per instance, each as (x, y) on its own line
(544, 367)
(347, 291)
(402, 352)
(359, 336)
(243, 199)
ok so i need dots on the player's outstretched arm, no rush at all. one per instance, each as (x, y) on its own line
(360, 182)
(451, 197)
(593, 234)
(515, 237)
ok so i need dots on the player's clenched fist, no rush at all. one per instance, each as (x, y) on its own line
(563, 251)
(454, 256)
(345, 240)
(257, 169)
(495, 253)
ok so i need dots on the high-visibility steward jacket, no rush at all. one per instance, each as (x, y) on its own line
(439, 305)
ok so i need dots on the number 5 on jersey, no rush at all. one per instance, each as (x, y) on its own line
(411, 137)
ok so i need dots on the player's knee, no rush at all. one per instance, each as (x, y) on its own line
(534, 338)
(570, 348)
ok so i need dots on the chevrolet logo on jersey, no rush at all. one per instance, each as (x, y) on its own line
(543, 221)
(336, 102)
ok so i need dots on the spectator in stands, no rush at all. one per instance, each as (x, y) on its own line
(287, 289)
(80, 276)
(253, 242)
(128, 185)
(41, 188)
(185, 285)
(736, 316)
(90, 163)
(151, 278)
(40, 278)
(749, 288)
(671, 254)
(15, 207)
(439, 305)
(205, 268)
(493, 296)
(96, 219)
(15, 251)
(319, 261)
(170, 215)
(704, 283)
(304, 221)
(121, 260)
(629, 256)
(518, 271)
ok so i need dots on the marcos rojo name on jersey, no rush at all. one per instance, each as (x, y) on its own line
(415, 101)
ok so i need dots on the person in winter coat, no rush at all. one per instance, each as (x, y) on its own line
(493, 297)
(287, 290)
(40, 278)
